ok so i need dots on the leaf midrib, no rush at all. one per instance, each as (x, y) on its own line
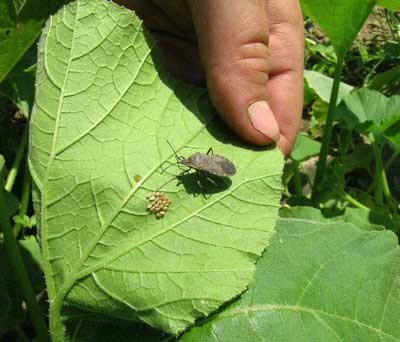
(46, 256)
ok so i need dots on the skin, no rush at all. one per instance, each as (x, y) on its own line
(249, 53)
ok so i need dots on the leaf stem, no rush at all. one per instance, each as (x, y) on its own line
(17, 161)
(21, 275)
(326, 140)
(57, 328)
(378, 175)
(347, 197)
(26, 195)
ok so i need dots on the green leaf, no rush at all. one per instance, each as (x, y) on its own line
(30, 251)
(304, 148)
(368, 219)
(317, 281)
(387, 81)
(23, 220)
(322, 85)
(19, 5)
(103, 111)
(19, 86)
(393, 134)
(361, 218)
(367, 110)
(309, 95)
(20, 25)
(341, 20)
(393, 5)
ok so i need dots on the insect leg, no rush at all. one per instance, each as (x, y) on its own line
(210, 150)
(200, 177)
(209, 179)
(167, 182)
(198, 181)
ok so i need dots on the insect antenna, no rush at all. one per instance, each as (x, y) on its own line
(178, 158)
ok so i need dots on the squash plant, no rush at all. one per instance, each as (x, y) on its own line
(224, 263)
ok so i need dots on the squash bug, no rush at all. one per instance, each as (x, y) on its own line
(208, 166)
(207, 163)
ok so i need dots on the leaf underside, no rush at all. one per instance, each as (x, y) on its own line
(317, 281)
(102, 112)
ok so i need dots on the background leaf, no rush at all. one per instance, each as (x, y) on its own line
(98, 144)
(368, 110)
(20, 25)
(341, 20)
(362, 218)
(390, 4)
(387, 81)
(322, 85)
(304, 148)
(318, 281)
(19, 86)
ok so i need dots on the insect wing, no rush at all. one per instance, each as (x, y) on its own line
(218, 165)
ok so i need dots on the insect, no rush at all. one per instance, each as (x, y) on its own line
(206, 163)
(210, 168)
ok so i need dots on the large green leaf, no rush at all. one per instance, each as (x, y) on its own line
(20, 25)
(98, 145)
(369, 111)
(317, 281)
(339, 19)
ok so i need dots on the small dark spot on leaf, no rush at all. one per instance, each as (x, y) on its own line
(8, 31)
(137, 178)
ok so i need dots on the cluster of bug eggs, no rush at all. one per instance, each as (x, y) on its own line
(158, 203)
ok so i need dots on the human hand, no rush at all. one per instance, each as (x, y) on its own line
(250, 52)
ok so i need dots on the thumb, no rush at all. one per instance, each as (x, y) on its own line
(233, 43)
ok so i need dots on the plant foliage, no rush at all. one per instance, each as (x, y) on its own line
(102, 250)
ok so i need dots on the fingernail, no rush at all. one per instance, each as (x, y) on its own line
(263, 120)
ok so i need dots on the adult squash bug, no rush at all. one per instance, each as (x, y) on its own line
(208, 166)
(207, 162)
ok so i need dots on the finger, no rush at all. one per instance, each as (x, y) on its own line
(233, 42)
(285, 87)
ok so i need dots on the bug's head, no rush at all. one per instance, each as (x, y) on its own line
(180, 159)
